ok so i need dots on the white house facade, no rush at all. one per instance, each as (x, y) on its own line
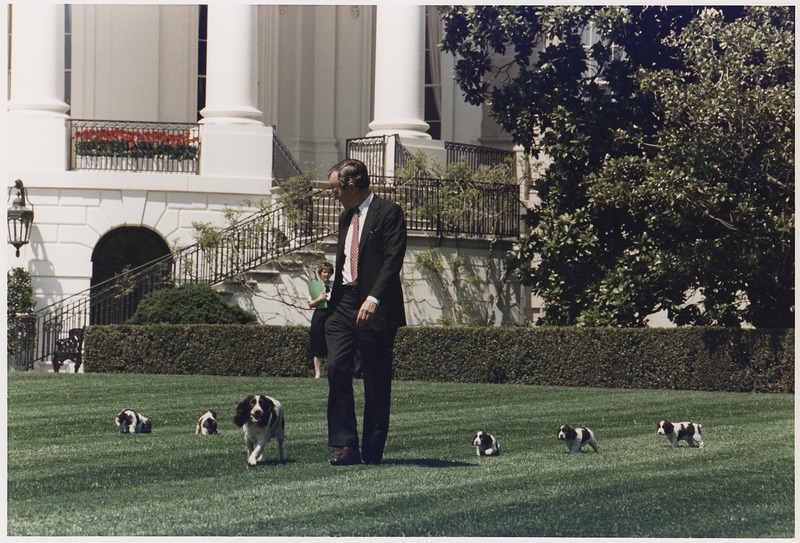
(236, 84)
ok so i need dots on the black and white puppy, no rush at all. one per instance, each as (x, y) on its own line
(576, 438)
(486, 444)
(130, 422)
(676, 431)
(261, 418)
(207, 424)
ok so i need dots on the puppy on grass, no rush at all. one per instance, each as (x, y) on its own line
(576, 438)
(677, 431)
(130, 422)
(486, 444)
(207, 424)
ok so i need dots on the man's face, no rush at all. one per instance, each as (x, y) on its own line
(346, 195)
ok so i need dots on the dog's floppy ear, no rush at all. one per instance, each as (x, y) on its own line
(241, 416)
(269, 408)
(213, 413)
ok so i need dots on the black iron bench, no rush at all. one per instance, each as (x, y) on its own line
(69, 348)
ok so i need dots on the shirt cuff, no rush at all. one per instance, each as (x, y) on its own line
(374, 300)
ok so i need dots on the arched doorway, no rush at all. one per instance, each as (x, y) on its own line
(121, 250)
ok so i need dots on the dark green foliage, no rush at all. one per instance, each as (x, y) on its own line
(189, 304)
(670, 181)
(19, 299)
(198, 349)
(684, 359)
(716, 359)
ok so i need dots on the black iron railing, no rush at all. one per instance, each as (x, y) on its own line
(475, 156)
(373, 152)
(253, 242)
(284, 165)
(370, 151)
(455, 208)
(134, 146)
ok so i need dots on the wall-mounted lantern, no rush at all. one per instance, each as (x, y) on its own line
(20, 218)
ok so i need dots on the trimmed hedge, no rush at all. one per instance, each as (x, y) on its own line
(719, 359)
(207, 349)
(716, 359)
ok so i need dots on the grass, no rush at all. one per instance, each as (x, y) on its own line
(70, 473)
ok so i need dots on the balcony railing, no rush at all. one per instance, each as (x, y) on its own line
(375, 151)
(475, 156)
(454, 208)
(134, 146)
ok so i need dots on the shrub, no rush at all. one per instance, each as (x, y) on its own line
(19, 298)
(189, 304)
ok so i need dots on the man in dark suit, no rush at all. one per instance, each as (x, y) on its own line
(366, 309)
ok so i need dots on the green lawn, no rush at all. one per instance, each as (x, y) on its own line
(70, 473)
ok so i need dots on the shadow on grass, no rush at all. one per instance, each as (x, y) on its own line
(428, 463)
(271, 463)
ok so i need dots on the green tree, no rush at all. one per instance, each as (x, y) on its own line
(593, 254)
(717, 200)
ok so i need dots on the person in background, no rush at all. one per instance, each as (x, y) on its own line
(367, 308)
(319, 303)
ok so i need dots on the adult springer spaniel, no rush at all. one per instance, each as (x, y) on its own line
(261, 418)
(207, 424)
(130, 422)
(676, 431)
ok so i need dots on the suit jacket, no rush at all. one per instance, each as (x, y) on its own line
(380, 259)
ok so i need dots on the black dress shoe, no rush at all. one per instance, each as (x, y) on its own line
(347, 457)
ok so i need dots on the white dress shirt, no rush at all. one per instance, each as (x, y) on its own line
(362, 219)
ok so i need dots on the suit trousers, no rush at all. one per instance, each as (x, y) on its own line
(375, 349)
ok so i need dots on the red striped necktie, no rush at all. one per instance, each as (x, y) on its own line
(354, 247)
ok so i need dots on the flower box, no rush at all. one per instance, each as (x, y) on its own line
(121, 149)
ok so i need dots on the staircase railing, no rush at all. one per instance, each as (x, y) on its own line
(253, 242)
(284, 165)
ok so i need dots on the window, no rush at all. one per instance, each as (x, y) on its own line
(202, 50)
(68, 55)
(8, 75)
(433, 77)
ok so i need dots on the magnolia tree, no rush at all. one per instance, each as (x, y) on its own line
(670, 136)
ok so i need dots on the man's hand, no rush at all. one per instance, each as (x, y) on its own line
(365, 312)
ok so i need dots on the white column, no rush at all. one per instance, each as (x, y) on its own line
(400, 72)
(231, 76)
(235, 141)
(36, 108)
